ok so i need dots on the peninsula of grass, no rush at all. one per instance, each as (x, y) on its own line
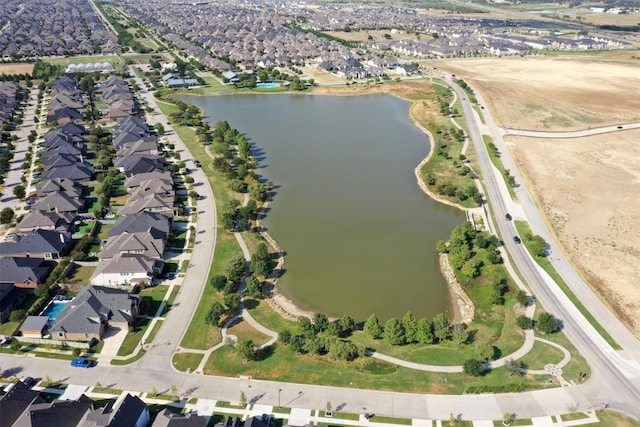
(186, 361)
(132, 340)
(446, 173)
(245, 332)
(542, 354)
(525, 232)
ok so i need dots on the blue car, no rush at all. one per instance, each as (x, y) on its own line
(81, 362)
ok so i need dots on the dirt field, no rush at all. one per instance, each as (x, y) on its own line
(588, 187)
(10, 69)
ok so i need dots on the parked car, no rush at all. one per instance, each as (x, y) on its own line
(508, 217)
(81, 362)
(28, 381)
(197, 163)
(517, 239)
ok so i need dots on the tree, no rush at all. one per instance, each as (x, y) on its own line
(235, 267)
(253, 287)
(160, 129)
(260, 268)
(484, 351)
(215, 313)
(320, 322)
(473, 367)
(347, 324)
(441, 327)
(232, 301)
(394, 332)
(522, 298)
(515, 367)
(441, 246)
(507, 419)
(547, 323)
(247, 350)
(17, 315)
(523, 322)
(410, 324)
(460, 334)
(19, 191)
(285, 336)
(372, 327)
(6, 216)
(538, 245)
(218, 282)
(306, 326)
(424, 334)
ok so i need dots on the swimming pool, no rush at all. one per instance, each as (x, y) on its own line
(267, 85)
(53, 309)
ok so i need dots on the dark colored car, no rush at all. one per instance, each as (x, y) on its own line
(197, 163)
(508, 217)
(28, 381)
(517, 239)
(81, 362)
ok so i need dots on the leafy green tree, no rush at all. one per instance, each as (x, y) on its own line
(218, 282)
(6, 216)
(473, 367)
(347, 324)
(17, 315)
(515, 367)
(410, 324)
(394, 332)
(306, 326)
(538, 245)
(441, 246)
(333, 329)
(459, 334)
(247, 350)
(484, 351)
(523, 322)
(522, 297)
(235, 267)
(372, 327)
(285, 336)
(424, 333)
(19, 191)
(547, 323)
(441, 327)
(471, 268)
(160, 129)
(320, 322)
(253, 287)
(215, 313)
(232, 301)
(260, 268)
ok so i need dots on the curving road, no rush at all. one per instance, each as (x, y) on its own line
(615, 374)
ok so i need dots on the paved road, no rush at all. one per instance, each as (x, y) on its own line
(571, 134)
(7, 199)
(615, 374)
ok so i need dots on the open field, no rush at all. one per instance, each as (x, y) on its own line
(598, 233)
(16, 68)
(555, 93)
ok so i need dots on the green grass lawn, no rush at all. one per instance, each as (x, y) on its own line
(541, 355)
(245, 332)
(154, 331)
(185, 361)
(154, 295)
(104, 230)
(524, 231)
(132, 340)
(80, 275)
(495, 159)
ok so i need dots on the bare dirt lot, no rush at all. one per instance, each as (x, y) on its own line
(10, 69)
(587, 187)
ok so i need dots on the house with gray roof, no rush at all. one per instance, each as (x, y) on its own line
(93, 311)
(139, 163)
(59, 202)
(125, 270)
(45, 244)
(154, 224)
(35, 326)
(59, 413)
(129, 411)
(16, 401)
(134, 243)
(22, 272)
(40, 220)
(135, 181)
(151, 203)
(53, 185)
(78, 171)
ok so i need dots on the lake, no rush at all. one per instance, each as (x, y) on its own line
(358, 232)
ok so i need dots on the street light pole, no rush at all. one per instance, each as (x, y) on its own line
(279, 390)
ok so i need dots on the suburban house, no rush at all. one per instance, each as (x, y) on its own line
(59, 202)
(249, 422)
(142, 222)
(93, 311)
(53, 185)
(139, 163)
(40, 220)
(167, 418)
(16, 401)
(141, 179)
(151, 203)
(126, 269)
(134, 243)
(78, 171)
(26, 273)
(160, 188)
(56, 413)
(38, 244)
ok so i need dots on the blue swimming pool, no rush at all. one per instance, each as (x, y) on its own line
(267, 85)
(53, 309)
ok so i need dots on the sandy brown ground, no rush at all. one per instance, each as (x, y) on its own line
(16, 68)
(588, 187)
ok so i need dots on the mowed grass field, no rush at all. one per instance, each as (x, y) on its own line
(16, 68)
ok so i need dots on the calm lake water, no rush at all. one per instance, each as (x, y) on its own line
(359, 234)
